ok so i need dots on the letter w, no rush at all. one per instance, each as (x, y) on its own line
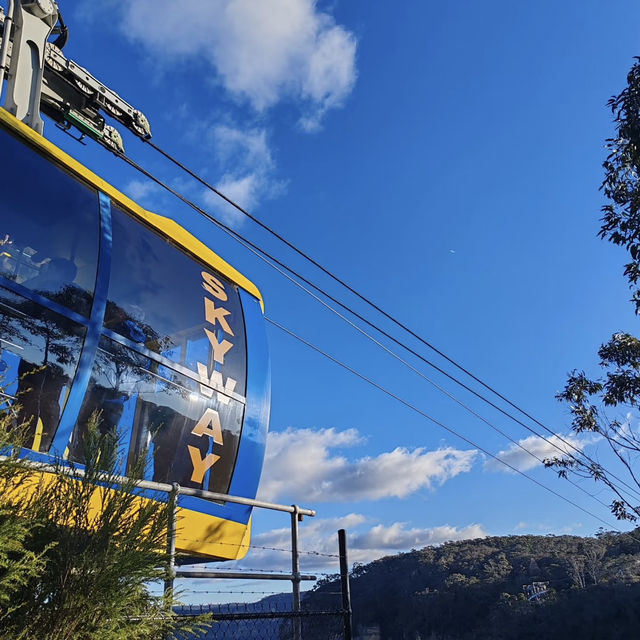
(215, 381)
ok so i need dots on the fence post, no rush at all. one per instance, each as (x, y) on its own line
(295, 571)
(171, 539)
(346, 588)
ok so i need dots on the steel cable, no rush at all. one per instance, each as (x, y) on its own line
(262, 253)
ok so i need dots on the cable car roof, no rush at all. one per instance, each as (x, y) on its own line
(165, 226)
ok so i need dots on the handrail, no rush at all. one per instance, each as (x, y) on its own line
(167, 488)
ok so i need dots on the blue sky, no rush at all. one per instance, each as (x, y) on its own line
(442, 157)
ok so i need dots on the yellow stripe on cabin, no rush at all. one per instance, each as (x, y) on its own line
(166, 226)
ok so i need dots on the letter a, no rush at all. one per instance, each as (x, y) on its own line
(214, 286)
(200, 466)
(209, 425)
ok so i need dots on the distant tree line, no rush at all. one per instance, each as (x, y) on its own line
(478, 589)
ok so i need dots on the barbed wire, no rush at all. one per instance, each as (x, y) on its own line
(248, 570)
(263, 548)
(235, 591)
(242, 592)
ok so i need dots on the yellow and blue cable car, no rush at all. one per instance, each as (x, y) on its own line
(107, 307)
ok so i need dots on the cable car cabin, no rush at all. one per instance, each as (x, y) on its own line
(105, 306)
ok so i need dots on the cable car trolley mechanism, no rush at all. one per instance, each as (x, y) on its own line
(107, 307)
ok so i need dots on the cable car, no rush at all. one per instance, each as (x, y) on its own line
(107, 307)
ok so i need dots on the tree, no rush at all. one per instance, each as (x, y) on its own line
(621, 186)
(594, 560)
(19, 566)
(607, 405)
(77, 552)
(576, 570)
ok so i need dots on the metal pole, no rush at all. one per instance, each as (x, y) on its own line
(171, 542)
(295, 571)
(346, 588)
(6, 38)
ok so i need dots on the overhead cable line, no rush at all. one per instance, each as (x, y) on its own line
(418, 372)
(394, 320)
(437, 422)
(337, 279)
(266, 256)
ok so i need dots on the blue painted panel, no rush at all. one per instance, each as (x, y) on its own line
(256, 417)
(81, 382)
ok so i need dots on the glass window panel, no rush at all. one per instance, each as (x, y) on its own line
(39, 354)
(49, 228)
(157, 298)
(155, 410)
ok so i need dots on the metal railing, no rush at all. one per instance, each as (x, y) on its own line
(296, 515)
(174, 490)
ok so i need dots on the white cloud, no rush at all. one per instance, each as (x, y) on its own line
(242, 147)
(551, 447)
(143, 191)
(243, 190)
(260, 52)
(249, 177)
(153, 197)
(319, 543)
(547, 527)
(397, 537)
(300, 465)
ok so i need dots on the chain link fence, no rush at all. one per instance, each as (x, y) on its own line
(265, 621)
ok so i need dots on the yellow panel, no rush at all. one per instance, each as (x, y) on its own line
(197, 533)
(165, 226)
(204, 535)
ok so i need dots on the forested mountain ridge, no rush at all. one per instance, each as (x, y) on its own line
(589, 588)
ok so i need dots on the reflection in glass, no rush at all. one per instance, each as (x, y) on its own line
(157, 299)
(154, 410)
(39, 353)
(48, 234)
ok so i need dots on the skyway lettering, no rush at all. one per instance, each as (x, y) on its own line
(209, 425)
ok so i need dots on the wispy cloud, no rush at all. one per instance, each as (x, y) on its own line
(242, 147)
(144, 192)
(301, 464)
(249, 176)
(318, 541)
(546, 527)
(549, 447)
(397, 537)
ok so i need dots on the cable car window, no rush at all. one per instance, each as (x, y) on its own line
(39, 354)
(155, 411)
(161, 298)
(49, 228)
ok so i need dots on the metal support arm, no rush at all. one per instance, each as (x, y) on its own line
(33, 22)
(42, 79)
